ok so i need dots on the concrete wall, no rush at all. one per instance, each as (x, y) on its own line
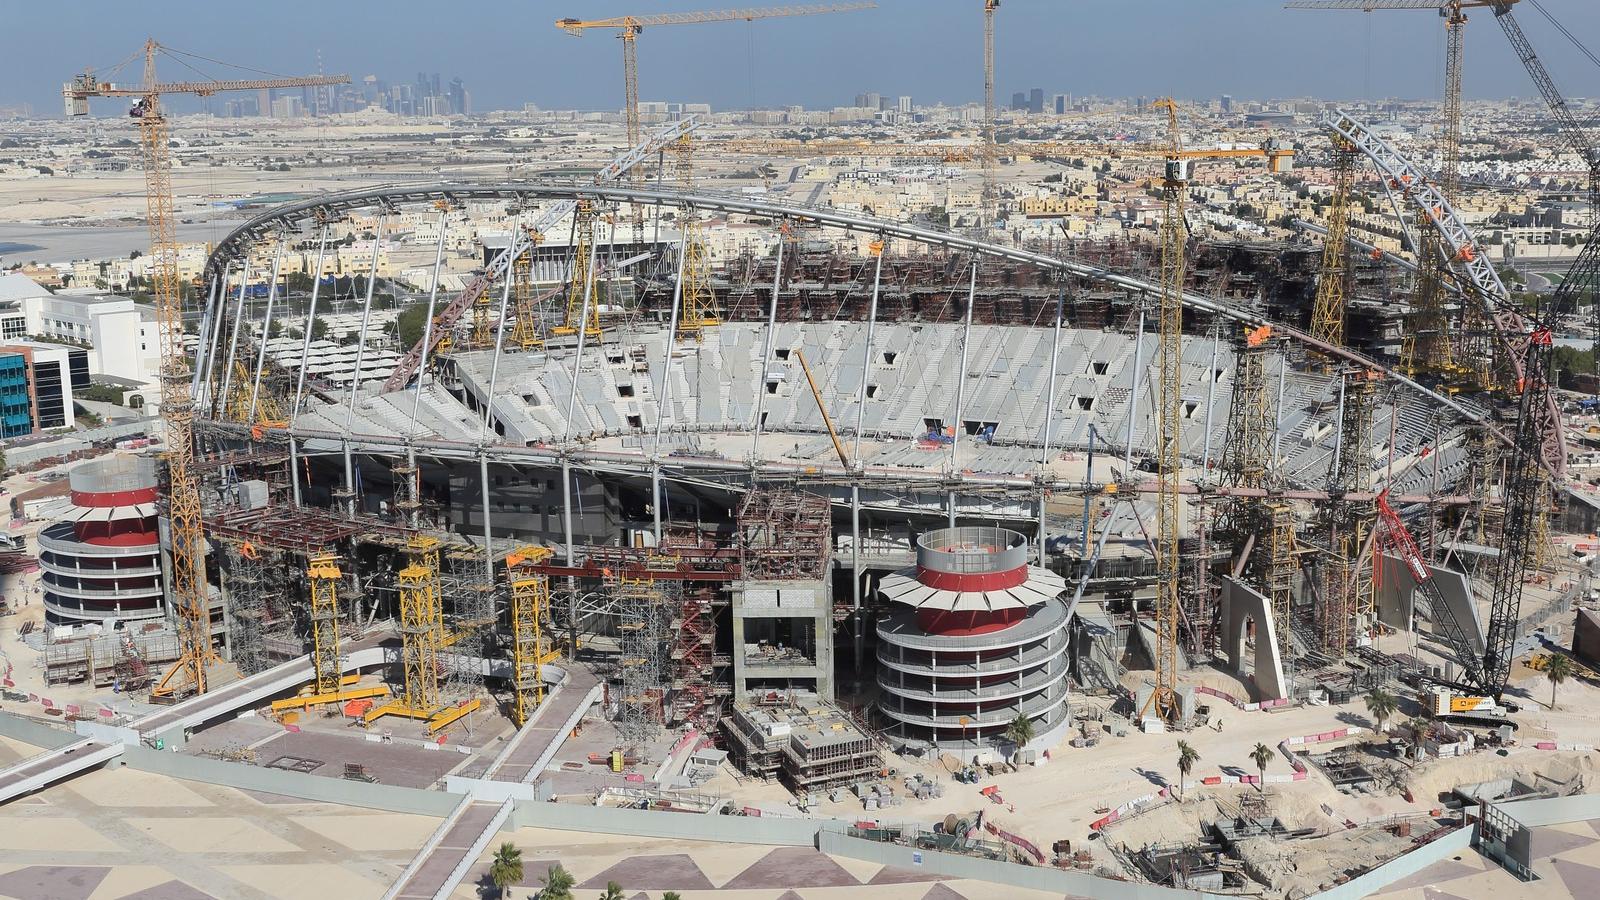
(292, 784)
(1242, 604)
(45, 737)
(1395, 602)
(1553, 810)
(1376, 880)
(649, 823)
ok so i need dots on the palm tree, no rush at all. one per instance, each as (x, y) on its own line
(613, 891)
(558, 884)
(1262, 755)
(1020, 731)
(506, 869)
(1381, 704)
(672, 895)
(1559, 670)
(1187, 757)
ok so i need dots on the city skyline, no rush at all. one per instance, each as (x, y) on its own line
(934, 55)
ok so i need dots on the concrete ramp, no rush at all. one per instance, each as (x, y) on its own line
(449, 852)
(52, 766)
(1145, 634)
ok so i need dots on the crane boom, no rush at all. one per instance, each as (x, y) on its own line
(84, 86)
(578, 26)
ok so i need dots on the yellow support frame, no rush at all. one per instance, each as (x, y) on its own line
(421, 636)
(577, 284)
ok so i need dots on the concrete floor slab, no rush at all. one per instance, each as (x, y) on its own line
(296, 882)
(51, 833)
(52, 882)
(212, 835)
(793, 867)
(372, 832)
(169, 890)
(675, 871)
(125, 880)
(130, 787)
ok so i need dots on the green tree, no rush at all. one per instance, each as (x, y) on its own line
(506, 869)
(1261, 755)
(1381, 704)
(613, 891)
(1020, 731)
(275, 328)
(558, 884)
(1187, 757)
(409, 324)
(672, 895)
(319, 330)
(1559, 670)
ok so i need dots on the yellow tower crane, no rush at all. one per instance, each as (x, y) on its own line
(697, 305)
(989, 199)
(1429, 343)
(187, 578)
(629, 27)
(525, 332)
(1169, 419)
(1328, 312)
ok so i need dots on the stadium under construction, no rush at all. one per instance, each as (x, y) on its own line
(941, 483)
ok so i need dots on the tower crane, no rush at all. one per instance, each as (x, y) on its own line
(1169, 460)
(1428, 341)
(629, 27)
(188, 577)
(988, 200)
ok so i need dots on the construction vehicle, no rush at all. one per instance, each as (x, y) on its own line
(187, 575)
(1445, 701)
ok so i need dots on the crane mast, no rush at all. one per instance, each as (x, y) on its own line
(988, 200)
(187, 577)
(1168, 456)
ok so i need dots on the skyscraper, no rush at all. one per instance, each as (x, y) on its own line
(1036, 100)
(1019, 100)
(904, 104)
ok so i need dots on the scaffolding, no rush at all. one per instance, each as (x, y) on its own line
(578, 282)
(1348, 589)
(693, 662)
(249, 612)
(698, 303)
(641, 605)
(1280, 568)
(529, 592)
(784, 535)
(1247, 450)
(525, 331)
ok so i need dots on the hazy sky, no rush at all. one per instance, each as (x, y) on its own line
(510, 52)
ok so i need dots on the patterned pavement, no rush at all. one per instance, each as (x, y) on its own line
(1566, 859)
(646, 867)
